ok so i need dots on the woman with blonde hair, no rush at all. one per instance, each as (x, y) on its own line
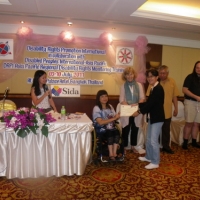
(131, 93)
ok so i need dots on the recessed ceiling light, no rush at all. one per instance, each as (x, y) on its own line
(22, 22)
(5, 2)
(69, 23)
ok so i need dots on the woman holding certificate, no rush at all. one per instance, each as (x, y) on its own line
(104, 118)
(154, 107)
(131, 93)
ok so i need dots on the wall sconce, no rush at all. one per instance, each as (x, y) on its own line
(154, 64)
(106, 38)
(66, 36)
(25, 32)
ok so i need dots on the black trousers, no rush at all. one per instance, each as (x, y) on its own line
(166, 133)
(134, 132)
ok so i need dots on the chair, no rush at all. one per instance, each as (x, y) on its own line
(177, 124)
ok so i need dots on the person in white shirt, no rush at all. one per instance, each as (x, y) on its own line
(131, 93)
(41, 96)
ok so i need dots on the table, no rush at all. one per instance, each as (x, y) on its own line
(66, 150)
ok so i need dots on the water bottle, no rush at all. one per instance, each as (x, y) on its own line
(63, 113)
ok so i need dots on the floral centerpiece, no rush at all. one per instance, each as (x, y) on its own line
(25, 120)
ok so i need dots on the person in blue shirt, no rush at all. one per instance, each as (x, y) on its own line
(104, 118)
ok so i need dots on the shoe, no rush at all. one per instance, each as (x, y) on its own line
(141, 151)
(185, 147)
(117, 158)
(124, 151)
(151, 166)
(143, 159)
(169, 151)
(196, 145)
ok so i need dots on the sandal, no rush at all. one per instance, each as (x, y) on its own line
(134, 150)
(112, 158)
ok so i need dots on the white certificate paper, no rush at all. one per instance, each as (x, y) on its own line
(127, 110)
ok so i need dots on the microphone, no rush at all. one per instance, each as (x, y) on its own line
(6, 92)
(46, 89)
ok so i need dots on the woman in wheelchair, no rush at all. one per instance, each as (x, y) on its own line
(104, 118)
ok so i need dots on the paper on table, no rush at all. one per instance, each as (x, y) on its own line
(127, 110)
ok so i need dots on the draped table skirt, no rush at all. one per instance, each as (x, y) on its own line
(66, 150)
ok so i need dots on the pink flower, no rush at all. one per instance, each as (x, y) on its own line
(25, 121)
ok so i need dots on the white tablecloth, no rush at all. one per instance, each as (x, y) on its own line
(66, 150)
(176, 133)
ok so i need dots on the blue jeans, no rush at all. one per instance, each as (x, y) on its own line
(152, 144)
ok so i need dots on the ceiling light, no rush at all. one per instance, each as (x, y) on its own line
(67, 36)
(22, 22)
(69, 23)
(171, 9)
(5, 2)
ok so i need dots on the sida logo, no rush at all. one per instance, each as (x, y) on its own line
(70, 91)
(4, 48)
(56, 90)
(65, 90)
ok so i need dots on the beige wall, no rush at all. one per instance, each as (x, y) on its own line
(180, 61)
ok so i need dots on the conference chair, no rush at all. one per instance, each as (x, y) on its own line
(177, 125)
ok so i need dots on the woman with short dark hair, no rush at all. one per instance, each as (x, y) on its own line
(154, 108)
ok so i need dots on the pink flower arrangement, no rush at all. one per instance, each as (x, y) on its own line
(25, 120)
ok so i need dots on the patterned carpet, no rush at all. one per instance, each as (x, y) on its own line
(178, 177)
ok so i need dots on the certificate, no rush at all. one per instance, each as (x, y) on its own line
(127, 110)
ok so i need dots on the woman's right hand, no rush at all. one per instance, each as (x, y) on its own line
(117, 116)
(47, 93)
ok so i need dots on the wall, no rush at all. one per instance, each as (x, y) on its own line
(179, 54)
(180, 61)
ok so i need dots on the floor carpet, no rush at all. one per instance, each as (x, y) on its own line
(178, 177)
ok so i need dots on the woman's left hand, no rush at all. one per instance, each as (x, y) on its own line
(135, 114)
(134, 104)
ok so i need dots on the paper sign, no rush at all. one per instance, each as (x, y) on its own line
(127, 110)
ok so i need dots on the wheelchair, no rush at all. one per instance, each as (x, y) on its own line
(100, 148)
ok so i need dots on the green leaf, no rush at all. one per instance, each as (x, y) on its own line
(33, 129)
(45, 131)
(22, 133)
